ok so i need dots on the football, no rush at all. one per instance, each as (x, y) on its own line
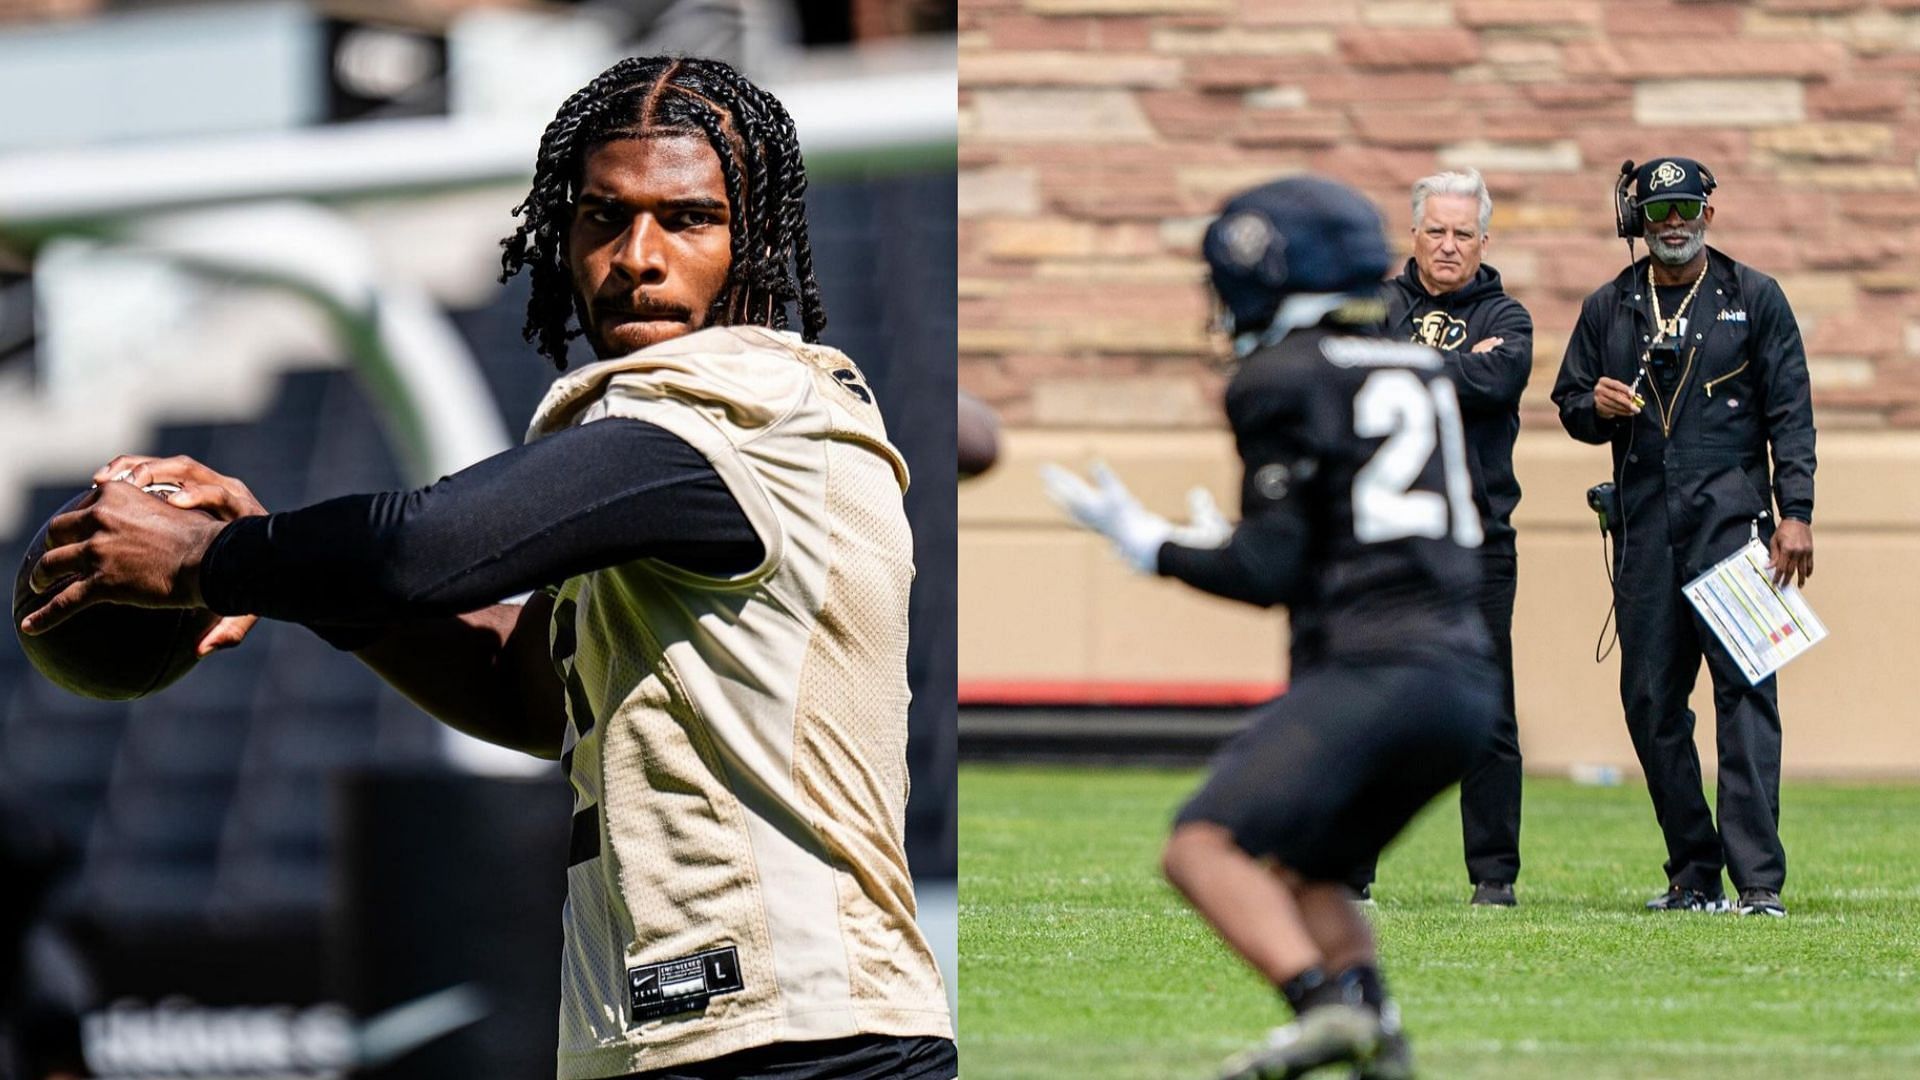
(978, 436)
(109, 651)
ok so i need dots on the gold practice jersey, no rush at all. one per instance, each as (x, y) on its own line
(737, 746)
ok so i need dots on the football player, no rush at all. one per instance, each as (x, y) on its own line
(1357, 513)
(716, 651)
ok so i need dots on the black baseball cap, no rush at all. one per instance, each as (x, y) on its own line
(1672, 178)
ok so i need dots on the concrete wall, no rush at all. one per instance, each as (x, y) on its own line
(1047, 611)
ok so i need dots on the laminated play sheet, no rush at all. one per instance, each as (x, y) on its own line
(1762, 624)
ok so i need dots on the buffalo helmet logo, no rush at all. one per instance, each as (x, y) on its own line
(1667, 175)
(1248, 237)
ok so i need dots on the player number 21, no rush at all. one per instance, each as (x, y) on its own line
(1414, 416)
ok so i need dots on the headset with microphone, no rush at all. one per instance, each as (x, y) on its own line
(1626, 219)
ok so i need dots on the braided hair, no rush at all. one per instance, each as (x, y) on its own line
(751, 133)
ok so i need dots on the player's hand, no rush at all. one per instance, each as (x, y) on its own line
(1206, 526)
(1613, 399)
(1108, 508)
(124, 547)
(201, 488)
(1487, 344)
(225, 497)
(1792, 552)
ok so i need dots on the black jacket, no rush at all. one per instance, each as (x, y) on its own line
(1703, 447)
(1489, 383)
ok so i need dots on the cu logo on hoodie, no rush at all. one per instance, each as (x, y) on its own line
(1439, 330)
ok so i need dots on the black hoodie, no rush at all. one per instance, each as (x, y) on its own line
(1490, 383)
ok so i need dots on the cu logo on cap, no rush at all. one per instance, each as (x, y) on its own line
(1667, 175)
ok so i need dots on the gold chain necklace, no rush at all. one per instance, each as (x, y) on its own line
(1670, 328)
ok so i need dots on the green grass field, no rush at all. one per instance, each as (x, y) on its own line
(1078, 962)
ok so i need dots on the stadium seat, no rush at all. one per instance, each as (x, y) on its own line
(166, 821)
(517, 377)
(300, 668)
(165, 744)
(55, 738)
(193, 440)
(143, 889)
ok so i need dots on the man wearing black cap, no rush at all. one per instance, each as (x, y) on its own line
(1357, 513)
(1690, 365)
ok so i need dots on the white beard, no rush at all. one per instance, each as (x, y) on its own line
(1684, 255)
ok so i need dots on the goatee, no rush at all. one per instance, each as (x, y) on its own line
(1684, 254)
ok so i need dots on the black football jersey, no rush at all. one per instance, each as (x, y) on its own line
(1357, 504)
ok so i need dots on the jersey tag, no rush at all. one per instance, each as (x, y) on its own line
(684, 985)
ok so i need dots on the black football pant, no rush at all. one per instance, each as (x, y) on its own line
(1661, 644)
(1490, 792)
(1326, 775)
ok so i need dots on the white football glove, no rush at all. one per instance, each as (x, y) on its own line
(1109, 509)
(1206, 526)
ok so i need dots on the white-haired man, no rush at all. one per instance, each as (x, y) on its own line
(1447, 298)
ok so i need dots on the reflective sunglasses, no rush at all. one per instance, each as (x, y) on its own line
(1657, 211)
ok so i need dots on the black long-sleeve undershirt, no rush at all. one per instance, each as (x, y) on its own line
(583, 499)
(1263, 563)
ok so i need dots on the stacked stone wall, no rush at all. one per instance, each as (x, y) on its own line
(1098, 136)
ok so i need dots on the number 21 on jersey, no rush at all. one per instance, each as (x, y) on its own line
(1415, 417)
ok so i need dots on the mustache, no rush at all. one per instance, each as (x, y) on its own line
(646, 310)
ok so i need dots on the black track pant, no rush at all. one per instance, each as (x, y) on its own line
(1490, 792)
(1661, 644)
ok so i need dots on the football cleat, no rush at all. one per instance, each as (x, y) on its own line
(1493, 894)
(1761, 902)
(1327, 1035)
(1677, 898)
(1393, 1061)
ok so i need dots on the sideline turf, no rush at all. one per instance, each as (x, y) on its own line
(1078, 962)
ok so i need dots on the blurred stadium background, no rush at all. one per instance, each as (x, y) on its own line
(265, 234)
(1099, 136)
